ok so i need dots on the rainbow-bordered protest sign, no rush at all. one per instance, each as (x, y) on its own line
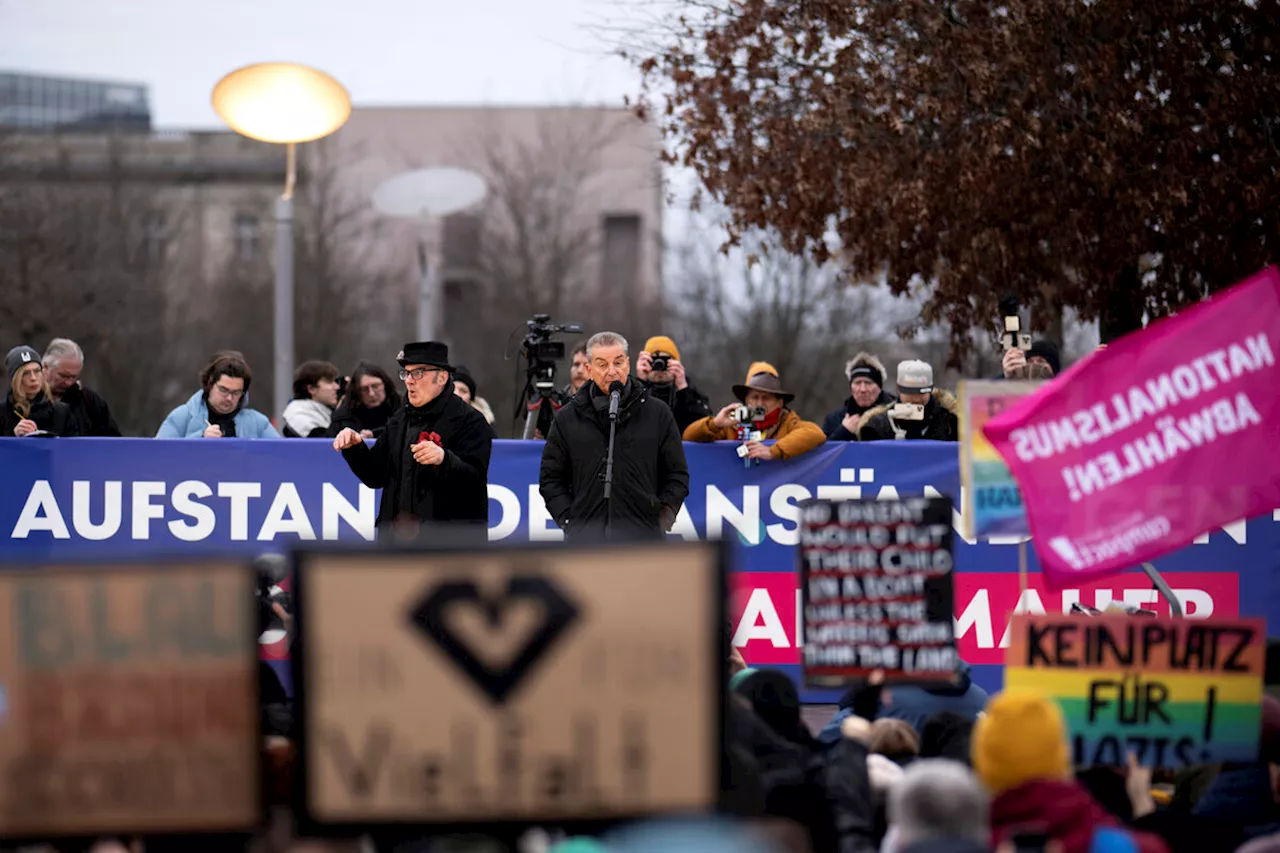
(1175, 692)
(992, 501)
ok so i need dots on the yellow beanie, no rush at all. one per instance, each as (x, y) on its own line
(1022, 737)
(759, 367)
(661, 343)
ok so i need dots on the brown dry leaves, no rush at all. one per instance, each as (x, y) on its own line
(1034, 146)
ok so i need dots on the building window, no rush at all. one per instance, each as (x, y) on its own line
(248, 236)
(620, 260)
(155, 237)
(462, 236)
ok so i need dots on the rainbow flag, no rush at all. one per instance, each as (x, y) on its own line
(1174, 691)
(992, 502)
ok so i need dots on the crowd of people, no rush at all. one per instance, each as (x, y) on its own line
(900, 768)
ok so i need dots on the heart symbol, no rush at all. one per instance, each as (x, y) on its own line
(472, 629)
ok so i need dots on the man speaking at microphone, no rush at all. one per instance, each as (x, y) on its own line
(639, 495)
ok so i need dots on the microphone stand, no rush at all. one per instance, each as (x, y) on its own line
(608, 465)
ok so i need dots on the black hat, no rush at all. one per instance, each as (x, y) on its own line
(430, 353)
(1047, 350)
(19, 357)
(461, 374)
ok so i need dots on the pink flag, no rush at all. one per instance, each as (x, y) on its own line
(1164, 435)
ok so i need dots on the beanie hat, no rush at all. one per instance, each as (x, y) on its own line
(461, 374)
(1047, 350)
(19, 356)
(867, 366)
(661, 343)
(758, 367)
(1022, 738)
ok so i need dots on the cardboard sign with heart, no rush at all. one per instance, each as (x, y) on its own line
(530, 685)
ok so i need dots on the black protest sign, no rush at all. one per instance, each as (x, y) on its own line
(876, 582)
(539, 684)
(129, 701)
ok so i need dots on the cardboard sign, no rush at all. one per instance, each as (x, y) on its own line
(1174, 691)
(992, 501)
(129, 701)
(877, 589)
(541, 684)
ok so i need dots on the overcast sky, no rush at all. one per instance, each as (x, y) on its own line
(384, 51)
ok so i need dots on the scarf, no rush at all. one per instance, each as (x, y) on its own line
(769, 421)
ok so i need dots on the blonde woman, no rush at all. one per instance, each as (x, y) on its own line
(30, 408)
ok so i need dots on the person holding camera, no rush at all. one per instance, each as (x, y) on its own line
(865, 373)
(659, 367)
(762, 411)
(1040, 361)
(921, 411)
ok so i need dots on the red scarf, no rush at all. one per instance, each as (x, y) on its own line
(769, 421)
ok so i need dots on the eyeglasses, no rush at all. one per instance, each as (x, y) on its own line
(417, 373)
(228, 393)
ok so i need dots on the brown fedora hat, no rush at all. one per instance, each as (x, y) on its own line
(766, 382)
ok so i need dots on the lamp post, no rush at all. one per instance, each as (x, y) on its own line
(429, 195)
(282, 103)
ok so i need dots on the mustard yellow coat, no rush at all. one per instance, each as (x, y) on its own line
(794, 434)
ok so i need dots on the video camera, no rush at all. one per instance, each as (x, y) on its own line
(1013, 337)
(747, 414)
(539, 350)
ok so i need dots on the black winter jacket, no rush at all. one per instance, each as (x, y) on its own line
(351, 413)
(89, 413)
(454, 492)
(833, 426)
(687, 405)
(49, 417)
(649, 468)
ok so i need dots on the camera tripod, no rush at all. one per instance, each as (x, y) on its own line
(542, 401)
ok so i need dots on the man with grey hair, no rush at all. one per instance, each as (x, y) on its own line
(63, 360)
(650, 477)
(938, 806)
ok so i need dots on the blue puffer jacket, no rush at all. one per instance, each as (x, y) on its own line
(916, 704)
(189, 421)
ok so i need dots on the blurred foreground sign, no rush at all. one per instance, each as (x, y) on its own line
(128, 701)
(540, 684)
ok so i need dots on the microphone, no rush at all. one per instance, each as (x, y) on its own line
(615, 397)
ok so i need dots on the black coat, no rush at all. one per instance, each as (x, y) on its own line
(454, 492)
(351, 413)
(49, 416)
(89, 413)
(688, 405)
(833, 426)
(941, 421)
(649, 469)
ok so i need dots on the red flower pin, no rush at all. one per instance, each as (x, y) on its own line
(432, 437)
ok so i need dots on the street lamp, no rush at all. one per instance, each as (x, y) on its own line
(429, 195)
(283, 103)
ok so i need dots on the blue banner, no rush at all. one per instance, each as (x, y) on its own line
(117, 499)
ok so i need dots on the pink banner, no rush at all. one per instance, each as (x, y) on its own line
(764, 607)
(1163, 435)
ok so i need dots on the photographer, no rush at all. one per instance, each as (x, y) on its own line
(921, 412)
(659, 368)
(865, 373)
(764, 410)
(1041, 361)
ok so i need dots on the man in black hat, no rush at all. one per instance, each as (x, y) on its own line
(432, 460)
